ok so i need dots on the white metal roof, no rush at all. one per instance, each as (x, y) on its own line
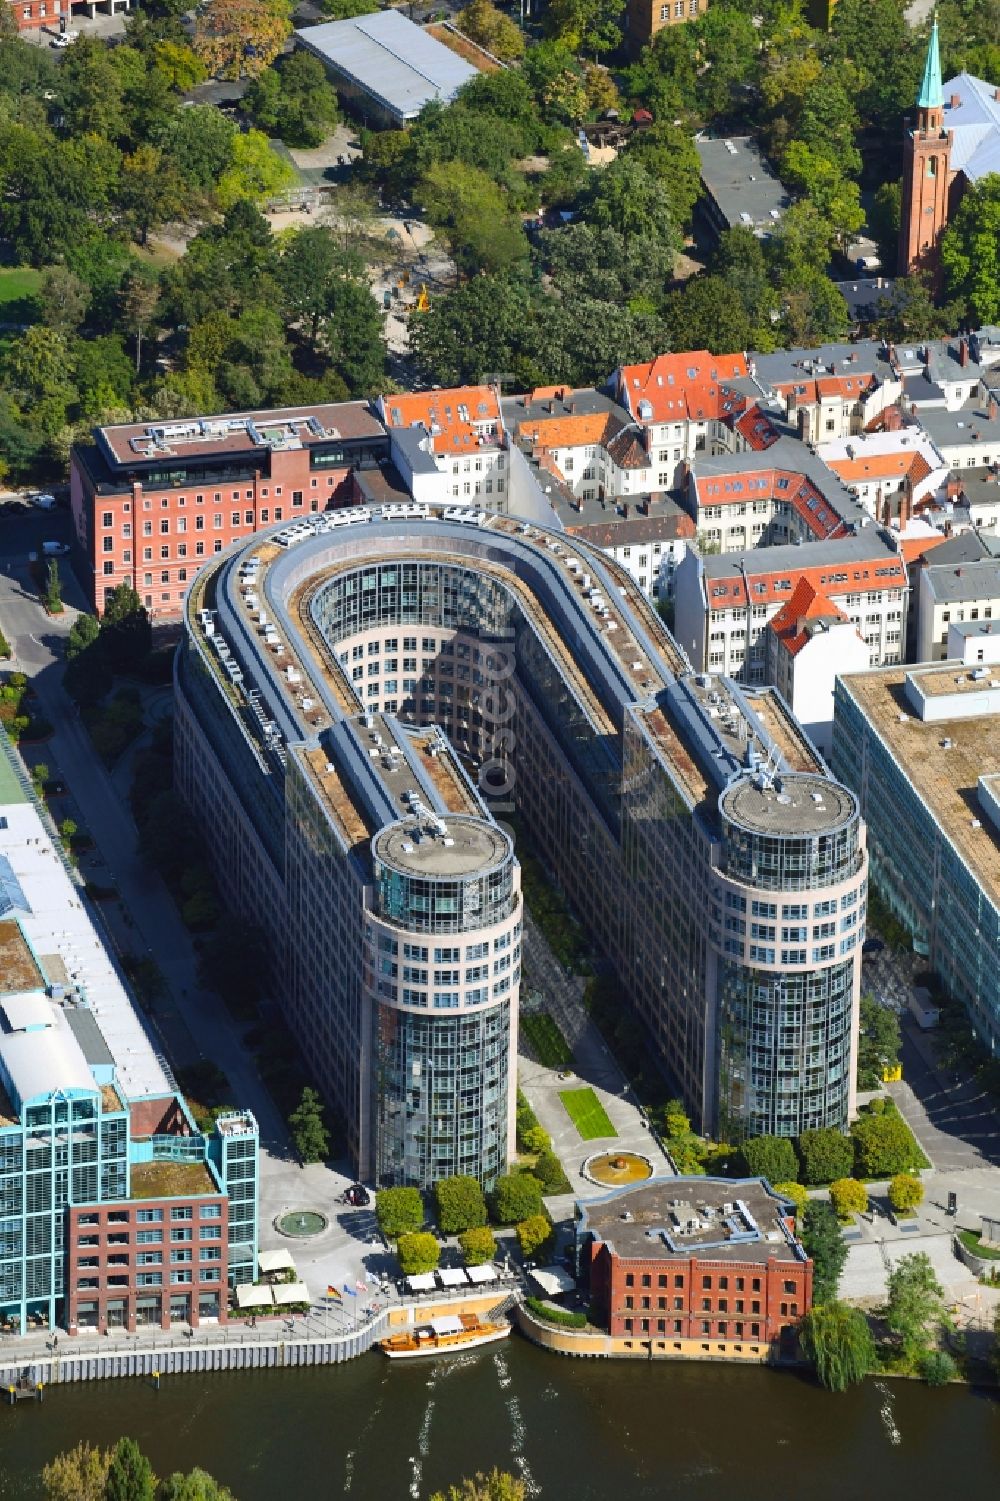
(399, 65)
(29, 1009)
(46, 1059)
(59, 923)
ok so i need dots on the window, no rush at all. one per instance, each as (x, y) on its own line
(149, 1216)
(179, 1212)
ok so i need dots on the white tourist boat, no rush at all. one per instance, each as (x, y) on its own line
(444, 1336)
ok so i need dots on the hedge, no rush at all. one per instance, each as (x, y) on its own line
(550, 1315)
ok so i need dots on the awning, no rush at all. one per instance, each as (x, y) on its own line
(449, 1324)
(249, 1296)
(485, 1273)
(290, 1292)
(553, 1280)
(275, 1261)
(421, 1282)
(452, 1276)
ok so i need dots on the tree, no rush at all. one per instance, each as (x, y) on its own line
(240, 38)
(516, 1196)
(820, 1235)
(199, 143)
(398, 1211)
(591, 26)
(916, 1303)
(839, 1342)
(549, 1172)
(883, 222)
(878, 1044)
(491, 29)
(825, 1154)
(848, 1197)
(352, 336)
(483, 232)
(311, 1138)
(460, 1204)
(53, 588)
(294, 100)
(152, 191)
(883, 1145)
(970, 251)
(80, 1474)
(796, 1194)
(478, 1246)
(534, 1234)
(82, 634)
(668, 153)
(126, 634)
(139, 296)
(905, 1192)
(130, 1474)
(63, 299)
(256, 172)
(937, 1368)
(498, 1485)
(418, 1252)
(708, 313)
(627, 197)
(196, 1486)
(770, 1157)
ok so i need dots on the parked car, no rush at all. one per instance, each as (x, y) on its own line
(55, 549)
(43, 501)
(65, 39)
(357, 1196)
(872, 946)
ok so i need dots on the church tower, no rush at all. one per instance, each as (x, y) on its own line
(926, 172)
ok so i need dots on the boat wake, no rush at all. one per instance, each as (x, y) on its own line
(885, 1413)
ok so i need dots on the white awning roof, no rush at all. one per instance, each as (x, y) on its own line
(249, 1296)
(275, 1261)
(421, 1282)
(449, 1324)
(485, 1273)
(452, 1276)
(290, 1292)
(553, 1280)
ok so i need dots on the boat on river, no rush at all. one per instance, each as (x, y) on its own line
(444, 1336)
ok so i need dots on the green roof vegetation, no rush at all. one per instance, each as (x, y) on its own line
(171, 1180)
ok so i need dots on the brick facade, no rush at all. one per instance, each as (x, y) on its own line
(644, 18)
(111, 1265)
(699, 1298)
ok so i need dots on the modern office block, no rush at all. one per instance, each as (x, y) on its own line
(921, 747)
(364, 697)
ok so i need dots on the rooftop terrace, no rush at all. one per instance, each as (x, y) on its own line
(162, 1179)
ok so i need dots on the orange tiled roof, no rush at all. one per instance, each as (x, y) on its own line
(808, 392)
(880, 572)
(454, 419)
(913, 548)
(881, 466)
(683, 386)
(570, 431)
(757, 428)
(807, 603)
(785, 485)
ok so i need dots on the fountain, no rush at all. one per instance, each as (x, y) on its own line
(615, 1169)
(301, 1223)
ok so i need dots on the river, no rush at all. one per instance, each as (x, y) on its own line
(580, 1429)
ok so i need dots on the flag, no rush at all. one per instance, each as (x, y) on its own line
(362, 1287)
(350, 1291)
(333, 1292)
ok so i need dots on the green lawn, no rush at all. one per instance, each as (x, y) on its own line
(548, 1043)
(587, 1113)
(18, 286)
(971, 1241)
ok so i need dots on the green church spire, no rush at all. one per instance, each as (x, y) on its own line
(931, 93)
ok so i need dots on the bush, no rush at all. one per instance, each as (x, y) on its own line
(549, 1172)
(825, 1155)
(534, 1235)
(460, 1204)
(937, 1368)
(905, 1192)
(770, 1157)
(848, 1197)
(516, 1197)
(798, 1195)
(418, 1252)
(823, 1242)
(535, 1139)
(552, 1315)
(884, 1145)
(399, 1211)
(478, 1246)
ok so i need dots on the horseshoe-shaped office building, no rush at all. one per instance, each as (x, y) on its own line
(363, 700)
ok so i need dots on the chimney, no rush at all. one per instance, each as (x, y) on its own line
(992, 408)
(905, 507)
(956, 100)
(963, 351)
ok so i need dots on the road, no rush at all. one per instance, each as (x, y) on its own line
(193, 1022)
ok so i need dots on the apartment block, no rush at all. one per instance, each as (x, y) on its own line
(95, 1141)
(706, 1267)
(449, 446)
(724, 602)
(806, 646)
(921, 748)
(153, 502)
(953, 594)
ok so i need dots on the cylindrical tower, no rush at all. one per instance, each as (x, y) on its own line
(790, 897)
(443, 965)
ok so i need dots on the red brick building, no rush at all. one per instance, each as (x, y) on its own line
(151, 502)
(644, 18)
(683, 1259)
(157, 1258)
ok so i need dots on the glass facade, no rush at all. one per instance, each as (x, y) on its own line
(791, 862)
